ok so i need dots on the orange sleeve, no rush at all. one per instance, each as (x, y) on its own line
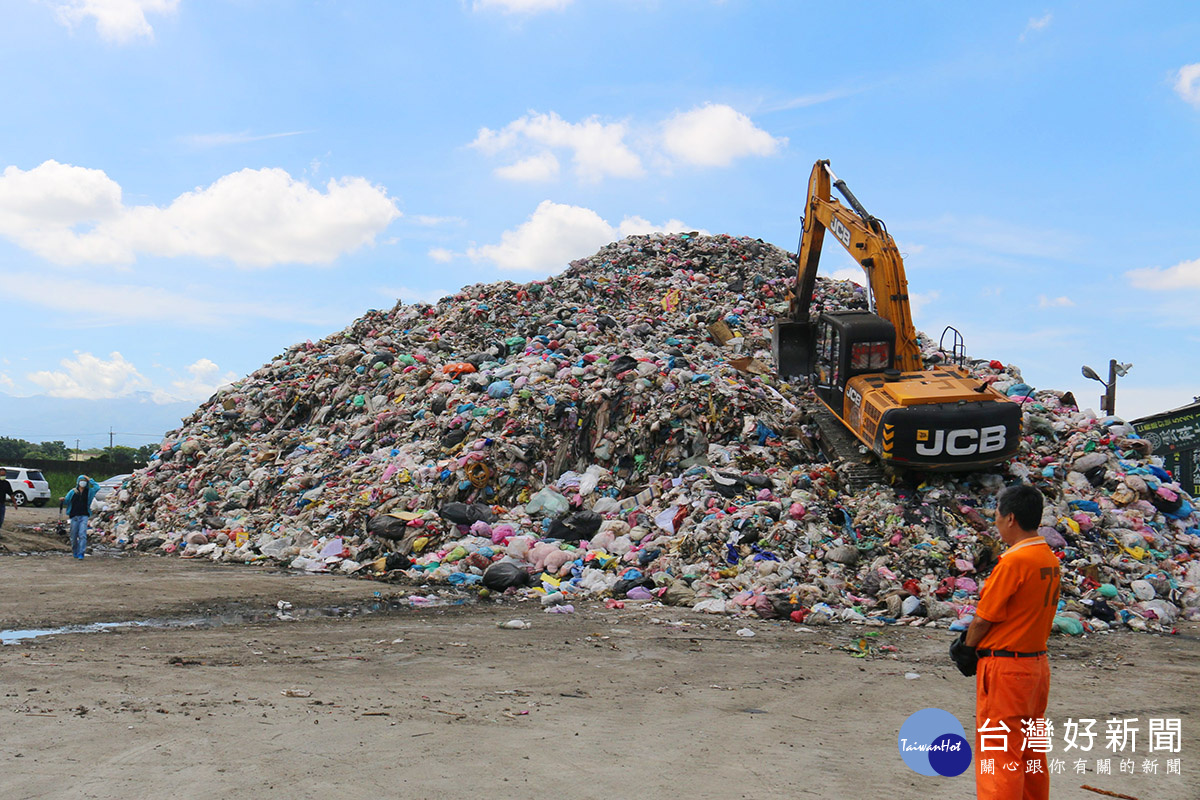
(998, 589)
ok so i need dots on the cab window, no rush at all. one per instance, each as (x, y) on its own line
(868, 356)
(827, 355)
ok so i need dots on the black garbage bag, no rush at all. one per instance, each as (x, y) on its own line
(622, 587)
(622, 364)
(397, 561)
(730, 485)
(453, 437)
(1102, 611)
(503, 575)
(576, 525)
(1164, 505)
(385, 526)
(467, 514)
(776, 607)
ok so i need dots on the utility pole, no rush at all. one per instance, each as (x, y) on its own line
(1108, 400)
(110, 437)
(1110, 391)
(76, 449)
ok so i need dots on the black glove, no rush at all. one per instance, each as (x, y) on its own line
(964, 657)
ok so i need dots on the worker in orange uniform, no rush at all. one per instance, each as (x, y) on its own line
(1008, 635)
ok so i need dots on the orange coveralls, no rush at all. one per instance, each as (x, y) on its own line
(1020, 598)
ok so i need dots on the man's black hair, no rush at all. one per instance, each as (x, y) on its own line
(1024, 503)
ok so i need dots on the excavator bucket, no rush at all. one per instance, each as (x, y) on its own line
(792, 346)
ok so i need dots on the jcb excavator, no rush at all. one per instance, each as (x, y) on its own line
(865, 366)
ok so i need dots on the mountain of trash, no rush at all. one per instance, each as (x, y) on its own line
(617, 431)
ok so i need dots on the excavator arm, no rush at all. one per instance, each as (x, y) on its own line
(867, 240)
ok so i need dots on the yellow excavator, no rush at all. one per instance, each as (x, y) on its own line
(865, 366)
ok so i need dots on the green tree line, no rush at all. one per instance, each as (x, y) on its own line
(14, 449)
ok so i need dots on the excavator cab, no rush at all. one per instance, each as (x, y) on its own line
(834, 348)
(848, 344)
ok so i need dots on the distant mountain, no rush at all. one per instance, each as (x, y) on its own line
(135, 419)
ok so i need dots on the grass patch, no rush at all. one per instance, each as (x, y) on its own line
(60, 484)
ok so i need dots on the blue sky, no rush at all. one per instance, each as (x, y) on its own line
(187, 187)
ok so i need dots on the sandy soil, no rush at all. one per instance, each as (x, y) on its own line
(644, 702)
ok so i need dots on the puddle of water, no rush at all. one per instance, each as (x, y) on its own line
(14, 636)
(236, 618)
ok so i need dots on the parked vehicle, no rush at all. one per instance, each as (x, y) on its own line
(107, 489)
(28, 485)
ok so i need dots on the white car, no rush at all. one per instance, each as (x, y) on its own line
(107, 489)
(28, 485)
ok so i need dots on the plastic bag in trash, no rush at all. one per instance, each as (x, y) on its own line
(505, 574)
(464, 514)
(385, 526)
(547, 502)
(573, 527)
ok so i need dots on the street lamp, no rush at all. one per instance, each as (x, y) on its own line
(1108, 402)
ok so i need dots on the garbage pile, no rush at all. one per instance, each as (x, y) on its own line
(616, 431)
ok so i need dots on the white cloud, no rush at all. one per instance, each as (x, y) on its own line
(715, 135)
(116, 20)
(441, 255)
(919, 301)
(555, 234)
(1054, 302)
(1036, 24)
(222, 139)
(534, 169)
(1184, 275)
(205, 379)
(1187, 84)
(711, 135)
(598, 148)
(91, 377)
(522, 6)
(256, 218)
(850, 274)
(7, 382)
(637, 226)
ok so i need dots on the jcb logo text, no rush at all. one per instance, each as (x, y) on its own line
(840, 231)
(961, 442)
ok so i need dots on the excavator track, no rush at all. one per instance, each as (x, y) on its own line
(858, 469)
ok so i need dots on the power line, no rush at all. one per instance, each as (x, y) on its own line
(65, 436)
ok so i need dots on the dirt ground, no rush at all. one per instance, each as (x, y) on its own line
(356, 698)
